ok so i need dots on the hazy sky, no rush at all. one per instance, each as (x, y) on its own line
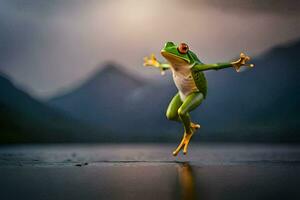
(49, 45)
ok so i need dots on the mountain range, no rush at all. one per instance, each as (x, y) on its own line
(25, 119)
(256, 105)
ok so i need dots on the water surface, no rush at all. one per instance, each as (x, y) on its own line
(148, 171)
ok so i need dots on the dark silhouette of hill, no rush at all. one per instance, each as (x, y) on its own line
(260, 103)
(104, 99)
(256, 105)
(24, 119)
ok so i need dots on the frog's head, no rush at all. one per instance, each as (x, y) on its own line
(177, 54)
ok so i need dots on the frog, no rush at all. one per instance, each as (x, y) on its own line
(189, 78)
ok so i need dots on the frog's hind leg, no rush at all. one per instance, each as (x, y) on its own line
(190, 103)
(172, 111)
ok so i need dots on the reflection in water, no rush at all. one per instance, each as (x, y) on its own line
(187, 181)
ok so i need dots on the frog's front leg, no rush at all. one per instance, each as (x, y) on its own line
(242, 61)
(190, 103)
(153, 62)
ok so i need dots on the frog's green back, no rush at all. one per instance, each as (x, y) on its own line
(199, 76)
(193, 57)
(200, 81)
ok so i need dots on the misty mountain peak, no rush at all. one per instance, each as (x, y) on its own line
(113, 70)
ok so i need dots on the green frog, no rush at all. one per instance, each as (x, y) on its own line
(191, 83)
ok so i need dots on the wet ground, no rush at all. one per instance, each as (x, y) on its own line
(147, 171)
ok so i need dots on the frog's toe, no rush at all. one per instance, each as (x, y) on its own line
(195, 126)
(185, 149)
(187, 139)
(179, 147)
(175, 153)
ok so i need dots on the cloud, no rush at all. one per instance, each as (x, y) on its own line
(278, 7)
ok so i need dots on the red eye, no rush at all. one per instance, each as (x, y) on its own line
(183, 48)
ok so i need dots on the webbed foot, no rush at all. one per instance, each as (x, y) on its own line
(151, 61)
(186, 140)
(242, 61)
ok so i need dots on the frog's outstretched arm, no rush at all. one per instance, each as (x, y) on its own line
(242, 61)
(152, 61)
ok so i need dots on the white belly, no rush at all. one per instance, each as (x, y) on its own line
(184, 81)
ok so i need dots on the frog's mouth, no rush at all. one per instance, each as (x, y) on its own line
(172, 58)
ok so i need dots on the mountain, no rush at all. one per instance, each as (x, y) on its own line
(259, 104)
(24, 119)
(118, 101)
